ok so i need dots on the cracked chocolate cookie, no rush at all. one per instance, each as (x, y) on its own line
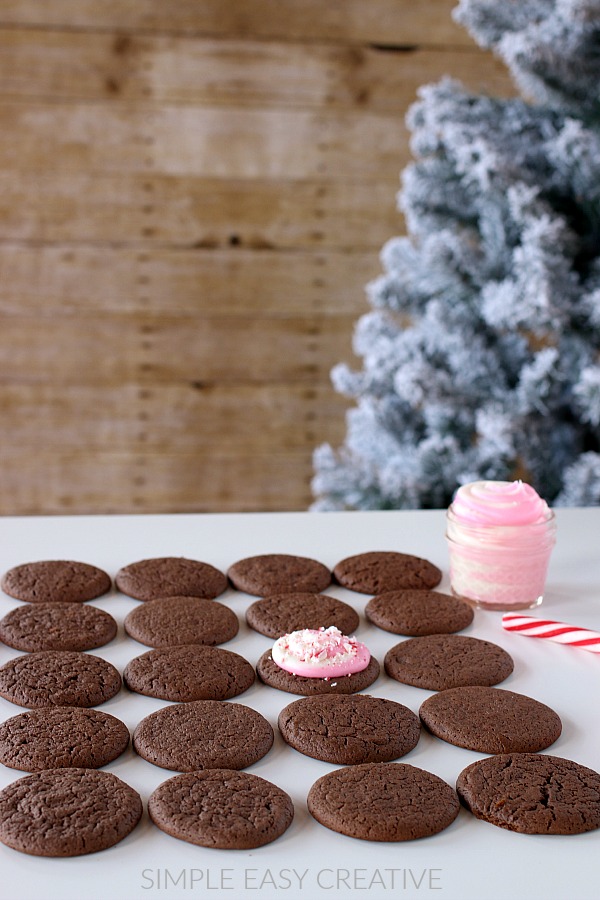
(67, 812)
(437, 662)
(189, 672)
(49, 581)
(283, 613)
(58, 678)
(278, 573)
(386, 570)
(490, 720)
(416, 613)
(181, 620)
(383, 802)
(170, 576)
(221, 808)
(532, 793)
(60, 737)
(349, 729)
(205, 734)
(57, 626)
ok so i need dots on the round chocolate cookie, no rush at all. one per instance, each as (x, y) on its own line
(386, 570)
(270, 673)
(181, 620)
(50, 581)
(283, 613)
(441, 661)
(58, 678)
(383, 802)
(60, 737)
(67, 812)
(278, 573)
(490, 720)
(221, 808)
(349, 729)
(57, 626)
(170, 576)
(189, 672)
(532, 793)
(205, 734)
(415, 613)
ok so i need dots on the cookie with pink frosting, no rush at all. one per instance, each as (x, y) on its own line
(318, 661)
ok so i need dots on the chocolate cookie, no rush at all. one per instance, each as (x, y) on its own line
(189, 672)
(532, 793)
(58, 678)
(415, 613)
(60, 737)
(270, 673)
(181, 620)
(349, 729)
(53, 580)
(282, 613)
(205, 734)
(221, 808)
(441, 661)
(490, 720)
(67, 812)
(386, 570)
(278, 573)
(383, 802)
(57, 626)
(170, 576)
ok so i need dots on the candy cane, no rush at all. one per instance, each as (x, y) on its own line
(552, 631)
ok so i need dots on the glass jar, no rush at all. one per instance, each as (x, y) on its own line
(500, 567)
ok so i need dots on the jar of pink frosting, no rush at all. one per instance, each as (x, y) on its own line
(500, 537)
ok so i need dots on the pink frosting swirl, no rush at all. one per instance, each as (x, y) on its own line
(320, 653)
(499, 503)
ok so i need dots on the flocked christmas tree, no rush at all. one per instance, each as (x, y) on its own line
(481, 355)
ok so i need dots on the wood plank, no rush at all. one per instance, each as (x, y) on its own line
(109, 349)
(81, 280)
(204, 213)
(218, 142)
(379, 21)
(67, 66)
(68, 482)
(210, 419)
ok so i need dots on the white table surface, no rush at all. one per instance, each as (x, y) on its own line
(470, 860)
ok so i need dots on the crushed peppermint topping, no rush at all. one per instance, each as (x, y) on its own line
(320, 653)
(318, 644)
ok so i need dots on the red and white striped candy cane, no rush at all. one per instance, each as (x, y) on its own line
(552, 631)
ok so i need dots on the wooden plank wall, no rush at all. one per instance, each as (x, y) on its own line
(192, 197)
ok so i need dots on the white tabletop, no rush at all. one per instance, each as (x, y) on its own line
(470, 860)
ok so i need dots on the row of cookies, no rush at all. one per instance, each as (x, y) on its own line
(148, 579)
(56, 625)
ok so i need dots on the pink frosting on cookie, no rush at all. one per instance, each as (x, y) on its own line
(320, 653)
